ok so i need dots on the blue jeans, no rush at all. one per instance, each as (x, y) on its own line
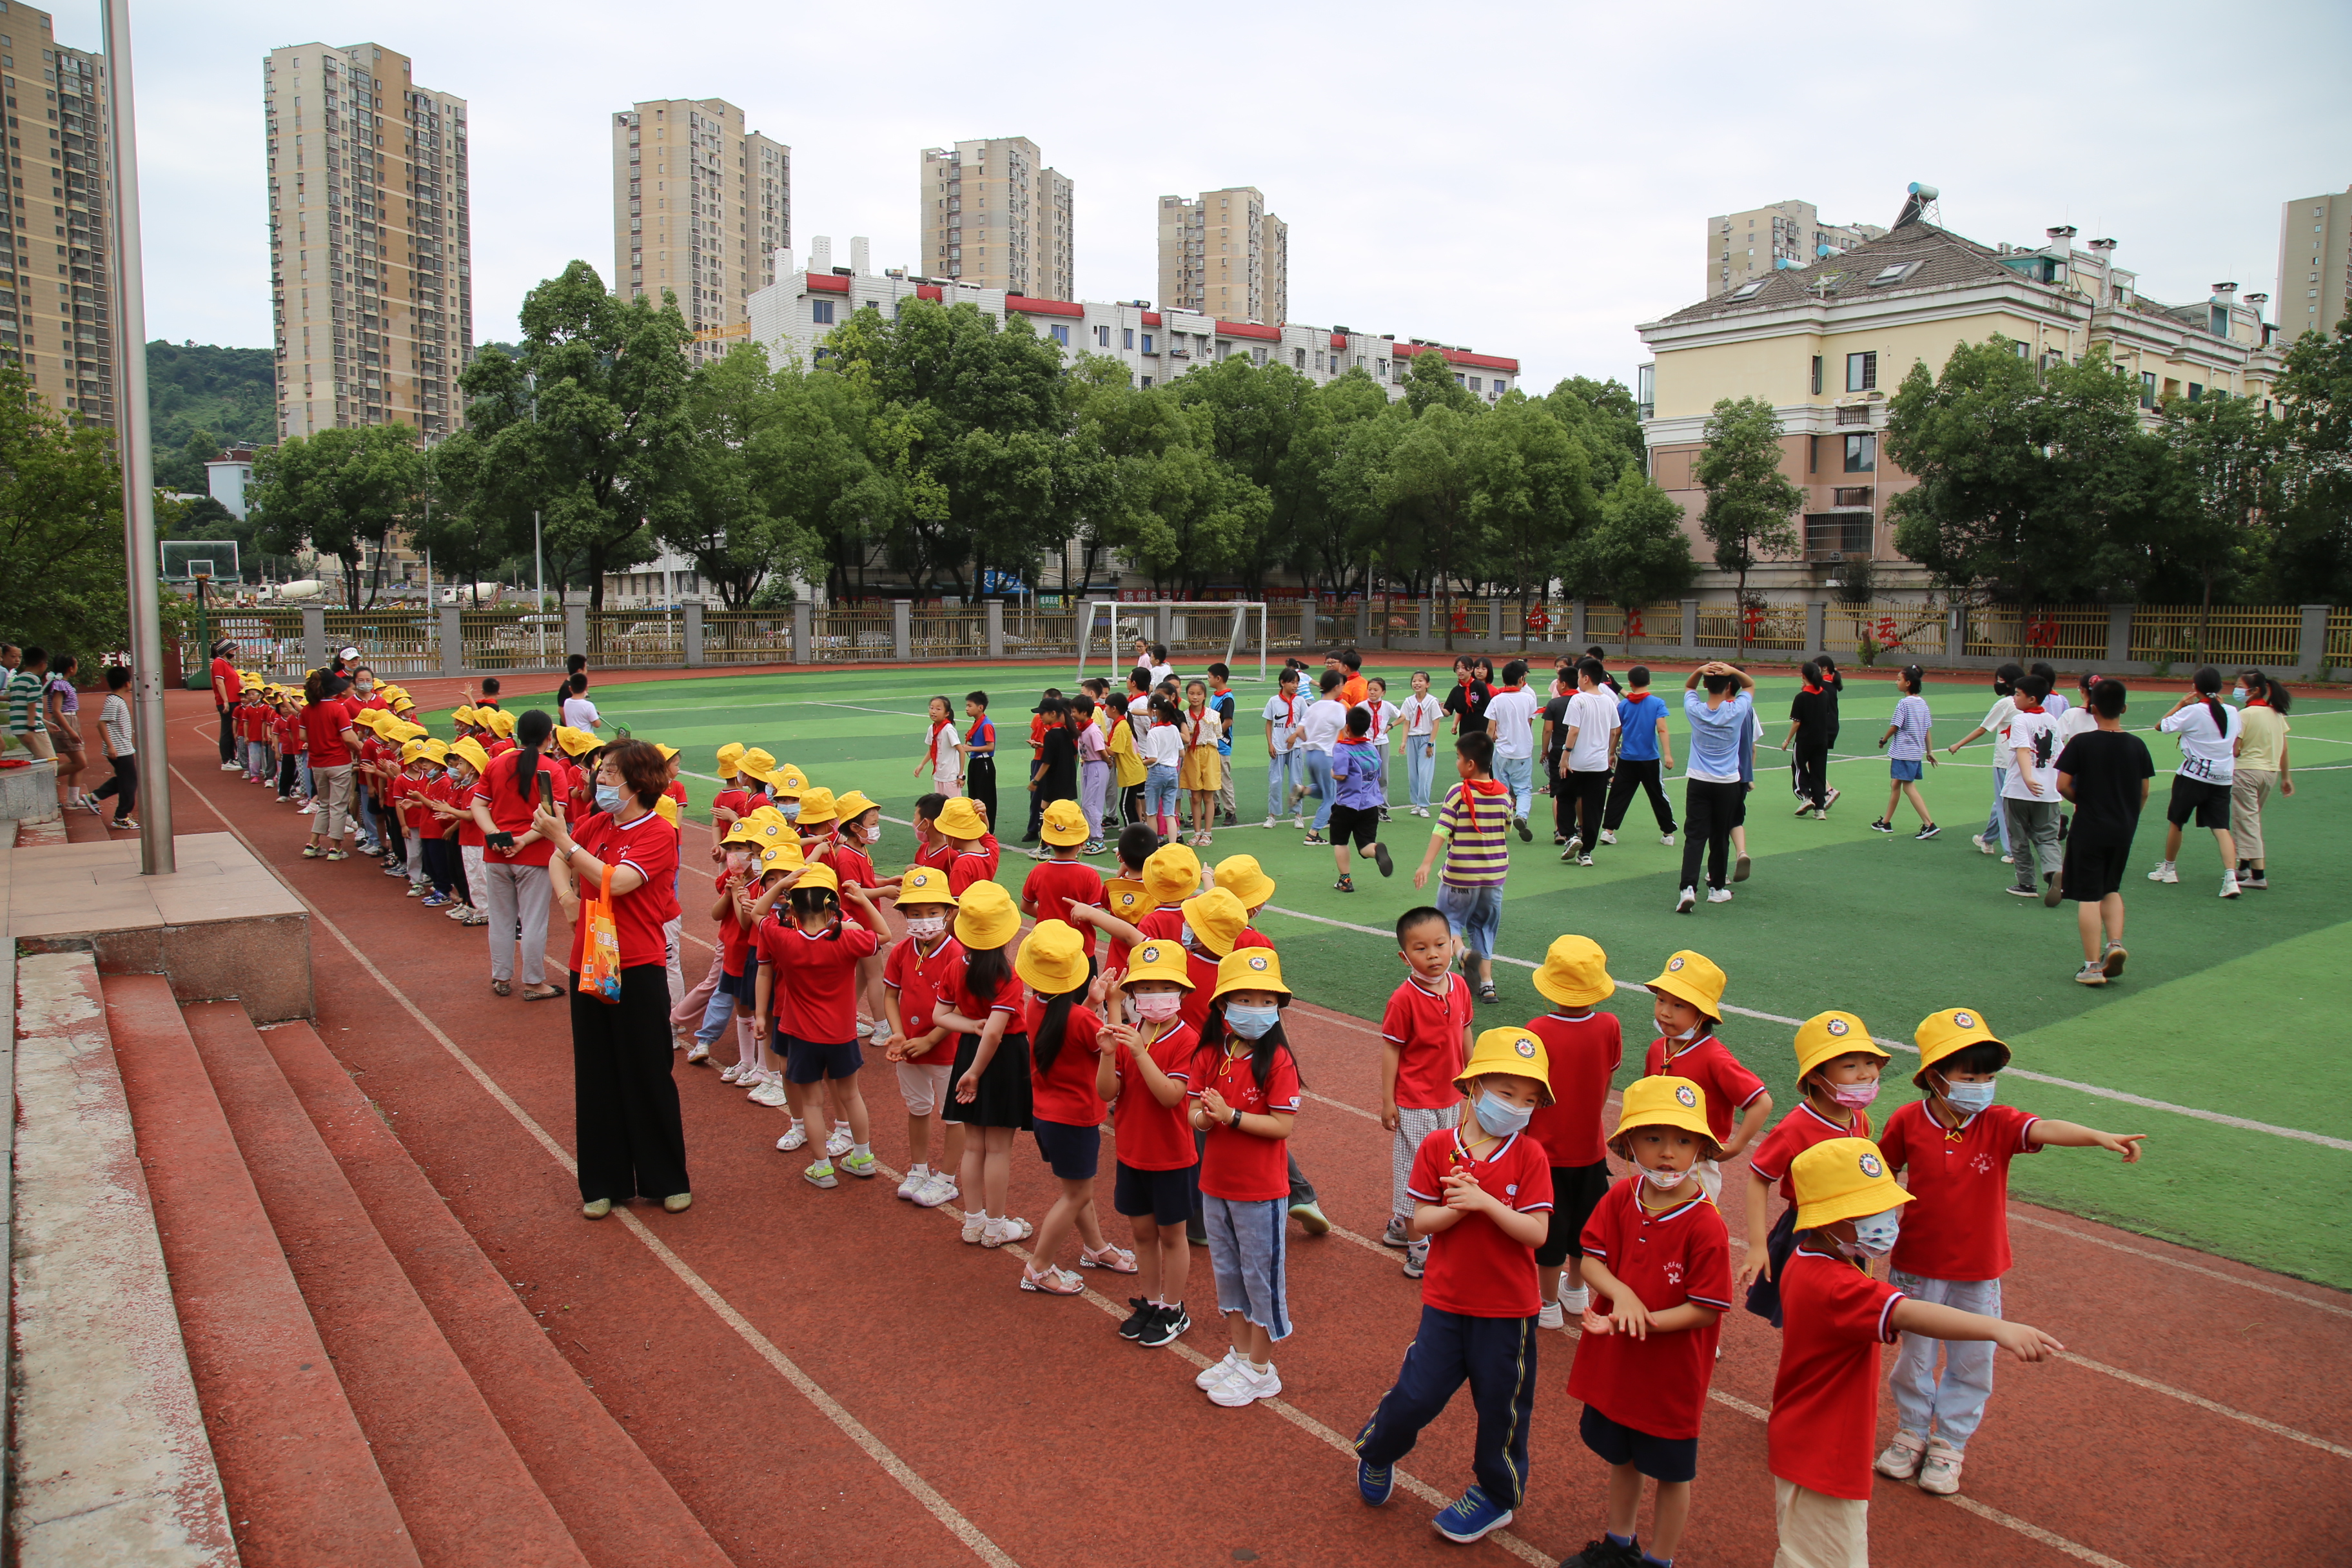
(1999, 821)
(1474, 913)
(715, 1015)
(256, 759)
(1420, 761)
(1160, 795)
(1282, 770)
(1497, 1357)
(1380, 771)
(1318, 779)
(1517, 775)
(1949, 1404)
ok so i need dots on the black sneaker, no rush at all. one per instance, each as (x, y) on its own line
(1604, 1554)
(1345, 884)
(1387, 867)
(1139, 1321)
(1927, 832)
(1313, 837)
(1230, 821)
(1527, 833)
(1167, 1325)
(1028, 838)
(1882, 825)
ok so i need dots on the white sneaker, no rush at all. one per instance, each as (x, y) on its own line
(838, 1143)
(1607, 836)
(1718, 895)
(726, 1074)
(918, 1177)
(232, 767)
(940, 1188)
(1217, 1372)
(770, 1094)
(1575, 1303)
(1940, 1473)
(1269, 821)
(1683, 904)
(1247, 1386)
(1552, 1317)
(1979, 840)
(697, 1052)
(1298, 821)
(2165, 872)
(1667, 839)
(2229, 884)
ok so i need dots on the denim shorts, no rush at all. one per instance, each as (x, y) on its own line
(1160, 794)
(1901, 771)
(808, 1061)
(1246, 1253)
(1474, 913)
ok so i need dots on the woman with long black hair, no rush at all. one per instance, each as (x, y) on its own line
(2201, 786)
(626, 1124)
(515, 855)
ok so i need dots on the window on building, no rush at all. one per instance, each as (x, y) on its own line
(1147, 342)
(1860, 454)
(1861, 372)
(820, 312)
(1299, 359)
(1812, 454)
(1850, 495)
(1817, 375)
(2196, 391)
(1060, 332)
(1102, 337)
(1837, 533)
(1147, 384)
(1475, 386)
(1127, 336)
(1747, 290)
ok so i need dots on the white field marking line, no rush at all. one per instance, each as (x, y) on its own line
(2073, 1235)
(962, 1528)
(2122, 1096)
(2185, 1397)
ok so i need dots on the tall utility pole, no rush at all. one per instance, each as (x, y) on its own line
(132, 433)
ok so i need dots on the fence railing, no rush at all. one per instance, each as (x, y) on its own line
(2050, 632)
(506, 640)
(396, 644)
(747, 636)
(852, 633)
(623, 640)
(2339, 637)
(1640, 626)
(960, 633)
(1038, 634)
(268, 642)
(1894, 631)
(1768, 627)
(2237, 633)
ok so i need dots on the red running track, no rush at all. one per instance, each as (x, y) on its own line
(832, 1375)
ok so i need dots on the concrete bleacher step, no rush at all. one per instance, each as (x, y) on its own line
(463, 1491)
(619, 1508)
(302, 1487)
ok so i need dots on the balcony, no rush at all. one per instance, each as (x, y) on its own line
(1838, 536)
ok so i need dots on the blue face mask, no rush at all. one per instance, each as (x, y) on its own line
(608, 797)
(1500, 1117)
(1969, 1097)
(1252, 1023)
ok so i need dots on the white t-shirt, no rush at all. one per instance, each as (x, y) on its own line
(2036, 735)
(580, 713)
(1384, 714)
(1326, 717)
(1593, 716)
(1285, 714)
(1996, 724)
(1161, 746)
(2206, 752)
(1510, 719)
(1422, 714)
(1159, 672)
(2074, 721)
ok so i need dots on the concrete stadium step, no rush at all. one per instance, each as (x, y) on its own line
(619, 1509)
(303, 1489)
(463, 1491)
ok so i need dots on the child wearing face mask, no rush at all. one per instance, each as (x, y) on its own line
(1657, 1260)
(1482, 1195)
(857, 828)
(1837, 1066)
(1145, 1072)
(1688, 994)
(737, 990)
(1825, 1395)
(918, 971)
(1957, 1145)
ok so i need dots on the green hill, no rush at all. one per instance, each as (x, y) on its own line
(223, 394)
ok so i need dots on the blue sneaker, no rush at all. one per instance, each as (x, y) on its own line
(1374, 1482)
(434, 900)
(1473, 1516)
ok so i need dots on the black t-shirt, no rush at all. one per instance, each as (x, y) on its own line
(1222, 706)
(2108, 767)
(1470, 702)
(1812, 711)
(1555, 714)
(1831, 692)
(1057, 778)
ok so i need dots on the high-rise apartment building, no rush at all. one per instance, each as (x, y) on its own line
(371, 249)
(55, 196)
(995, 217)
(1743, 247)
(698, 206)
(2315, 271)
(1225, 256)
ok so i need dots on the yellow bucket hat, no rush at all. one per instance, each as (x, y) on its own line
(847, 809)
(1243, 877)
(576, 742)
(1161, 958)
(1843, 1178)
(784, 857)
(501, 722)
(1663, 1102)
(1575, 973)
(666, 809)
(728, 756)
(789, 782)
(743, 832)
(669, 753)
(959, 819)
(1694, 978)
(435, 752)
(1950, 1029)
(1171, 875)
(1515, 1051)
(816, 808)
(1052, 959)
(1217, 918)
(769, 827)
(471, 750)
(1825, 1037)
(465, 715)
(1124, 898)
(752, 763)
(410, 751)
(985, 917)
(819, 876)
(924, 885)
(1062, 824)
(1250, 969)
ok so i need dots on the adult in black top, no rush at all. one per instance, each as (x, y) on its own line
(1467, 700)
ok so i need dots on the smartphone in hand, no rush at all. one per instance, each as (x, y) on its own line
(547, 792)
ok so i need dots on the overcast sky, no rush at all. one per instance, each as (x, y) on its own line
(1529, 180)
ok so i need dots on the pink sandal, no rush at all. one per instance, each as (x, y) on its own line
(1053, 1282)
(1112, 1259)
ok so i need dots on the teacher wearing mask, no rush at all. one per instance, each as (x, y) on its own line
(626, 1124)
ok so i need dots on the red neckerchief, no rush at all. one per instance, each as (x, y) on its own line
(1355, 740)
(1471, 790)
(1812, 690)
(932, 755)
(2258, 702)
(1503, 690)
(1196, 727)
(2029, 707)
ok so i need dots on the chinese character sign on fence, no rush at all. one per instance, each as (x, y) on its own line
(1538, 621)
(1885, 636)
(2042, 632)
(1752, 618)
(1632, 625)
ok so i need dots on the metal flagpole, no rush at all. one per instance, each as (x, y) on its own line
(130, 430)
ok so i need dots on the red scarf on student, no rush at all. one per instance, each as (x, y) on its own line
(1195, 719)
(2258, 702)
(931, 753)
(1813, 691)
(1471, 790)
(1500, 690)
(2029, 707)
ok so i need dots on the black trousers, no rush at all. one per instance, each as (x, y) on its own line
(1130, 803)
(443, 868)
(290, 774)
(123, 786)
(1577, 800)
(1813, 772)
(625, 1124)
(980, 784)
(1636, 775)
(228, 748)
(1710, 811)
(1496, 1356)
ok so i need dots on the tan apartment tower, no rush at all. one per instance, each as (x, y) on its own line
(1743, 247)
(56, 198)
(700, 207)
(2315, 270)
(1225, 256)
(371, 246)
(995, 217)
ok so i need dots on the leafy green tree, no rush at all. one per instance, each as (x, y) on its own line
(479, 517)
(1750, 503)
(60, 527)
(1428, 383)
(1531, 494)
(1639, 555)
(343, 493)
(811, 471)
(2223, 452)
(2310, 533)
(1431, 479)
(1335, 543)
(183, 468)
(1605, 415)
(589, 419)
(191, 388)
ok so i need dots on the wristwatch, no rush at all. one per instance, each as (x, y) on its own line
(1235, 1120)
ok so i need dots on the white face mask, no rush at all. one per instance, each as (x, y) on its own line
(1874, 1234)
(927, 928)
(1663, 1181)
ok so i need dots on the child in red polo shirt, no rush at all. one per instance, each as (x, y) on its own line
(1145, 1073)
(1585, 1049)
(974, 858)
(1424, 1034)
(1658, 1261)
(1689, 1009)
(928, 961)
(807, 997)
(1053, 885)
(1837, 1066)
(1482, 1196)
(1825, 1397)
(1956, 1145)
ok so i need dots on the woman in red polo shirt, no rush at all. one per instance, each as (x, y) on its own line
(626, 1127)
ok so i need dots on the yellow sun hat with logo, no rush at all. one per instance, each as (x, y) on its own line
(788, 782)
(1171, 875)
(1692, 977)
(1062, 824)
(924, 885)
(750, 762)
(1575, 973)
(784, 857)
(1053, 959)
(985, 917)
(1161, 958)
(1515, 1051)
(1250, 969)
(410, 751)
(1951, 1029)
(471, 751)
(1663, 1102)
(849, 807)
(1243, 877)
(960, 819)
(576, 742)
(1843, 1178)
(818, 876)
(501, 722)
(1825, 1037)
(1217, 918)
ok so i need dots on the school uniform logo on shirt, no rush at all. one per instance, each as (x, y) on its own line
(1870, 1166)
(1673, 1273)
(1687, 1097)
(1981, 1165)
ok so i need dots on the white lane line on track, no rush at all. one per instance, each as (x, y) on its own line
(2074, 1235)
(946, 1512)
(2273, 1427)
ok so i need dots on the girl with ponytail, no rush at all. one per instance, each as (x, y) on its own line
(1065, 1108)
(2261, 765)
(2202, 788)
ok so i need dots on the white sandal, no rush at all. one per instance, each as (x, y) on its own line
(1115, 1259)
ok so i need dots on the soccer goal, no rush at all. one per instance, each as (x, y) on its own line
(1197, 631)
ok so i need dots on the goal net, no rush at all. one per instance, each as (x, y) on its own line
(1197, 632)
